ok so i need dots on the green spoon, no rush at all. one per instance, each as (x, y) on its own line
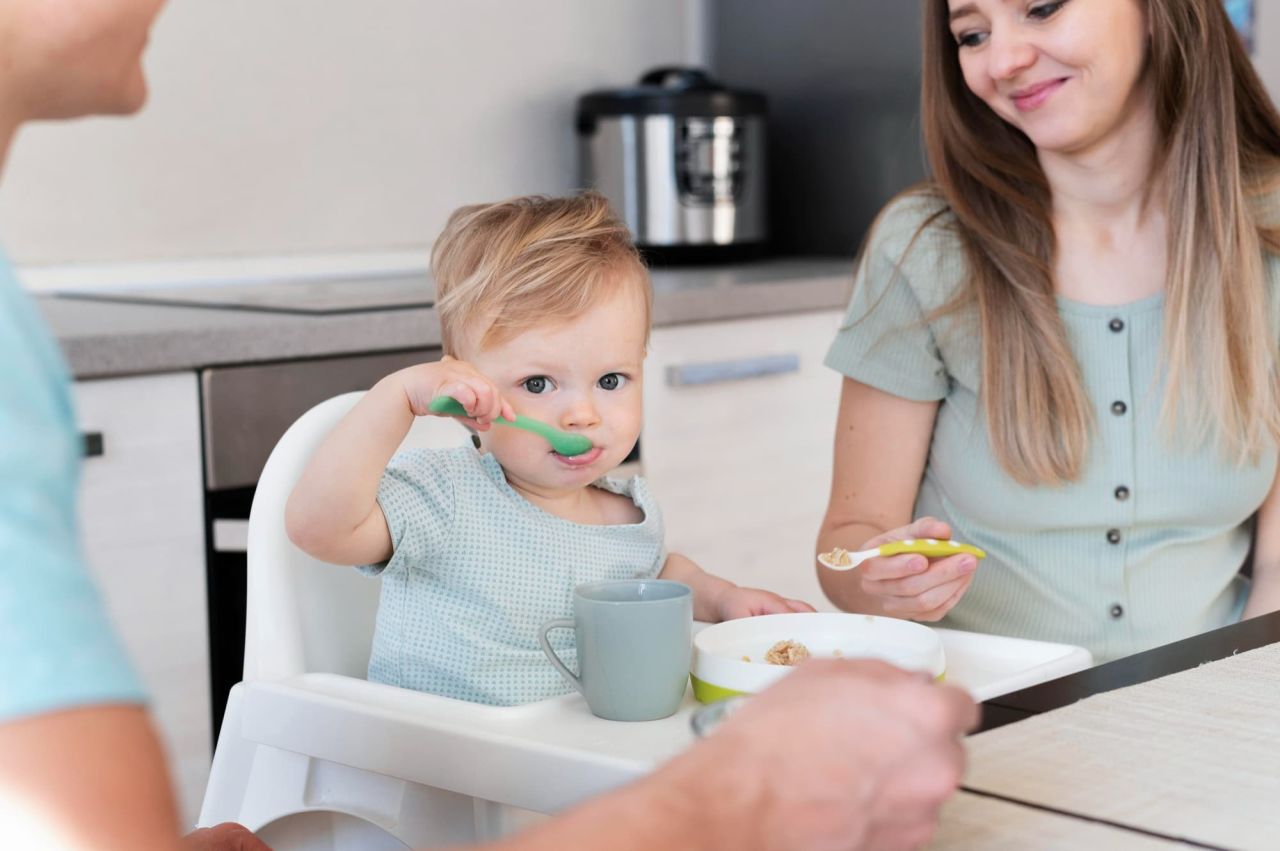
(561, 441)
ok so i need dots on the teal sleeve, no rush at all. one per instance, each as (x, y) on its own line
(57, 646)
(417, 498)
(884, 340)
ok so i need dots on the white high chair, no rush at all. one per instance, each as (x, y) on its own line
(311, 755)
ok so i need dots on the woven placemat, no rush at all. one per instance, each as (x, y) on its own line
(978, 823)
(1194, 755)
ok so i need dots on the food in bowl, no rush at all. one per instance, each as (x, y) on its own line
(728, 657)
(786, 652)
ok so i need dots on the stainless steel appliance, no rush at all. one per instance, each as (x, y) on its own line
(682, 159)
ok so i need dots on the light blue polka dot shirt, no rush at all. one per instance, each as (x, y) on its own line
(477, 569)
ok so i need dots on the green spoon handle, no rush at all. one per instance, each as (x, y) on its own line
(562, 442)
(448, 406)
(452, 407)
(536, 426)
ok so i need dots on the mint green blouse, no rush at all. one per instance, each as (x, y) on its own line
(1144, 549)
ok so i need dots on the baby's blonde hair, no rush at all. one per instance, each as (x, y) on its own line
(529, 260)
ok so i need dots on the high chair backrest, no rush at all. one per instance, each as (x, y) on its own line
(303, 615)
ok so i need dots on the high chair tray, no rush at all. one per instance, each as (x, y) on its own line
(548, 755)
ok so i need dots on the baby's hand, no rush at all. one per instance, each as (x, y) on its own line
(459, 379)
(748, 602)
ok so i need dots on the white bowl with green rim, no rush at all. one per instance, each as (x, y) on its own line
(728, 658)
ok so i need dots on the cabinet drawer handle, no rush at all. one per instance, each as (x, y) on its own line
(93, 446)
(719, 372)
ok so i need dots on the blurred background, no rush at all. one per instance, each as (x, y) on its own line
(309, 133)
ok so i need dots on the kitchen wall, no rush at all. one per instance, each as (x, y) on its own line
(1267, 44)
(843, 83)
(303, 126)
(322, 132)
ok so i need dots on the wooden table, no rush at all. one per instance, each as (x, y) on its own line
(961, 822)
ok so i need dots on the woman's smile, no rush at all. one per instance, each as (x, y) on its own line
(1031, 98)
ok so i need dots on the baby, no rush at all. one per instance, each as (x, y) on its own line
(544, 311)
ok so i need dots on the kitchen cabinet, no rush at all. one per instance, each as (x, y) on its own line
(737, 445)
(142, 520)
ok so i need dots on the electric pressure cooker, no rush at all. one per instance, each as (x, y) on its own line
(681, 158)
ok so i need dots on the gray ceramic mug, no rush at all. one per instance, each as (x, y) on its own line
(635, 641)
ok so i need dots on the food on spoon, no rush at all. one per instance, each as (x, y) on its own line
(838, 557)
(786, 652)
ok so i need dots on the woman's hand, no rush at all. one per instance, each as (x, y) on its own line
(911, 585)
(459, 379)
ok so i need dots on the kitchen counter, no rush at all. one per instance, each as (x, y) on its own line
(104, 339)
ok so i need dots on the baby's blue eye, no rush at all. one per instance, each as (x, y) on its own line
(536, 385)
(1046, 10)
(611, 381)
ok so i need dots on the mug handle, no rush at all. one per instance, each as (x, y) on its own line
(559, 623)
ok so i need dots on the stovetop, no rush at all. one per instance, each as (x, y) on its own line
(301, 297)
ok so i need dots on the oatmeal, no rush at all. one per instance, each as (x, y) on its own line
(838, 557)
(787, 652)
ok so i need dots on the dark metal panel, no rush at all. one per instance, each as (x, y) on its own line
(247, 408)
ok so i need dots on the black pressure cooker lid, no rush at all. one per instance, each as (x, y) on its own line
(670, 91)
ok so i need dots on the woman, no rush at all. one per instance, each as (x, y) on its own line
(1079, 367)
(80, 765)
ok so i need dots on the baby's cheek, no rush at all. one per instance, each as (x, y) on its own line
(626, 422)
(512, 447)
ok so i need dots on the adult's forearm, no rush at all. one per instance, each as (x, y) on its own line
(1264, 595)
(672, 808)
(85, 778)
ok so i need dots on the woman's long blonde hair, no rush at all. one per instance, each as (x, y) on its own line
(1220, 139)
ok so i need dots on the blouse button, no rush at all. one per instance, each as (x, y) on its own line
(1122, 493)
(1117, 611)
(1116, 325)
(1113, 536)
(1119, 408)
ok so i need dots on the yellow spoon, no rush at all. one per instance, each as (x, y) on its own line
(839, 559)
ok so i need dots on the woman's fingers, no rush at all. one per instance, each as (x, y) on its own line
(887, 568)
(918, 580)
(922, 527)
(923, 595)
(938, 613)
(931, 605)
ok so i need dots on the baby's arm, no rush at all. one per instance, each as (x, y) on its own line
(333, 512)
(716, 599)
